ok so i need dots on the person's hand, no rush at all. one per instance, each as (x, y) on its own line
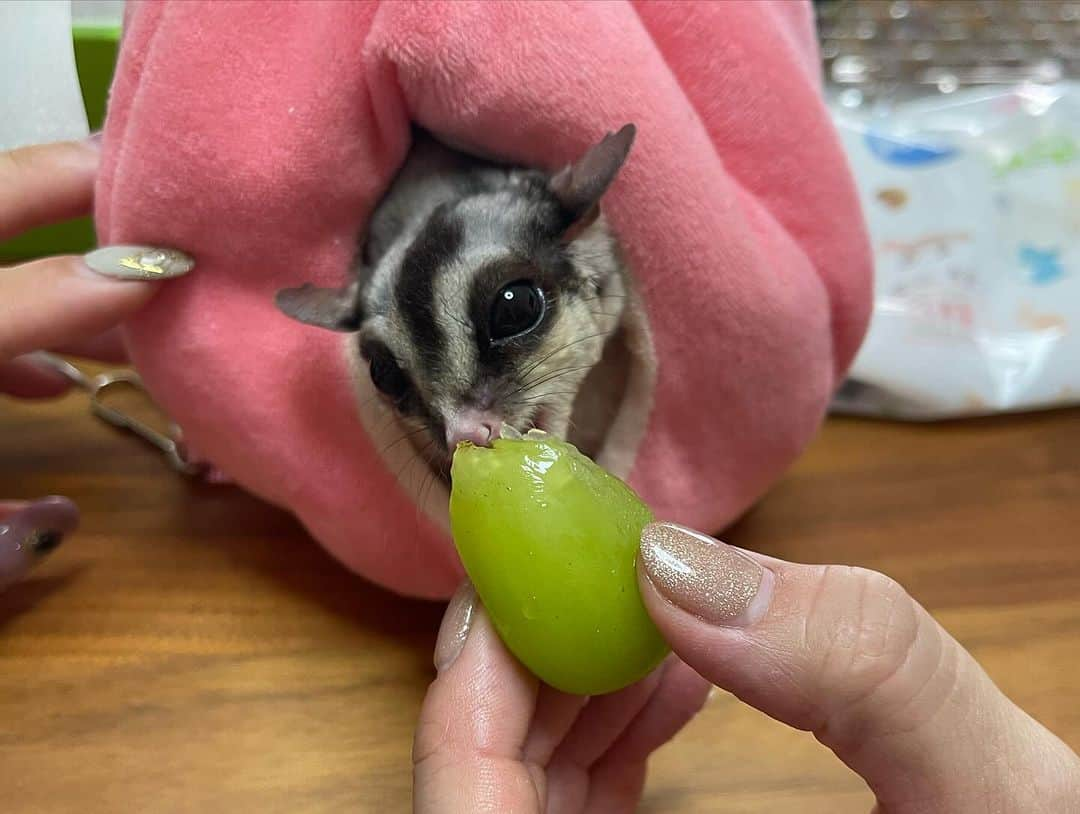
(491, 738)
(842, 652)
(68, 304)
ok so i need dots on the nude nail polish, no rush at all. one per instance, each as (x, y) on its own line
(456, 623)
(138, 262)
(714, 581)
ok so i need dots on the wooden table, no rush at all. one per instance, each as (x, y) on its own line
(190, 650)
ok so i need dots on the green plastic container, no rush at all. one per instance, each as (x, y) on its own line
(95, 58)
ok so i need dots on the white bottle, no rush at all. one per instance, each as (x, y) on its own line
(40, 97)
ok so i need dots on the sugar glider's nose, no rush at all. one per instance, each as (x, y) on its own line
(480, 427)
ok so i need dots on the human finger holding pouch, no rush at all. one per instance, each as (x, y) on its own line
(65, 303)
(842, 652)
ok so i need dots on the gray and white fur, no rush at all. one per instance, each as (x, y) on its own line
(486, 295)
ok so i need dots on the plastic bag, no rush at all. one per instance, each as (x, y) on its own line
(973, 206)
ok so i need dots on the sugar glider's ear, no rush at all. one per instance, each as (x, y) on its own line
(337, 309)
(579, 186)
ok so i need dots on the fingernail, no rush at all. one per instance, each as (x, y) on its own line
(455, 626)
(29, 534)
(714, 581)
(139, 262)
(94, 140)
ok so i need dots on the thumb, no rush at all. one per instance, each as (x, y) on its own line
(847, 654)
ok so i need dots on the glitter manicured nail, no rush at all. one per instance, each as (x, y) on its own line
(139, 262)
(705, 577)
(457, 621)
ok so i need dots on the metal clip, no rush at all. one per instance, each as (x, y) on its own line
(169, 445)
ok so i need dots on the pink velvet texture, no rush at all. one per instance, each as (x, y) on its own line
(258, 137)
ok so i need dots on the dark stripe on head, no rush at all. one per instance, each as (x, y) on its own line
(438, 242)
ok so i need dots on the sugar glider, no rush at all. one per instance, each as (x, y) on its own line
(487, 296)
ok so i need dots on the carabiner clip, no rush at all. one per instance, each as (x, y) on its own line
(170, 445)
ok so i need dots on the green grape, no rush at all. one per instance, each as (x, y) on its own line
(549, 540)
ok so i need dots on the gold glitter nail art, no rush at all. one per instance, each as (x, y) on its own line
(702, 576)
(139, 262)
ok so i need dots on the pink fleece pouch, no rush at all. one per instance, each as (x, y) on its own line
(259, 136)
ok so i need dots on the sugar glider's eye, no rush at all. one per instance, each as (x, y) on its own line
(387, 376)
(517, 309)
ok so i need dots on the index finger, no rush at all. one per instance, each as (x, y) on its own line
(46, 183)
(57, 301)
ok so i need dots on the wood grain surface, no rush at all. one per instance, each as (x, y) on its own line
(191, 650)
